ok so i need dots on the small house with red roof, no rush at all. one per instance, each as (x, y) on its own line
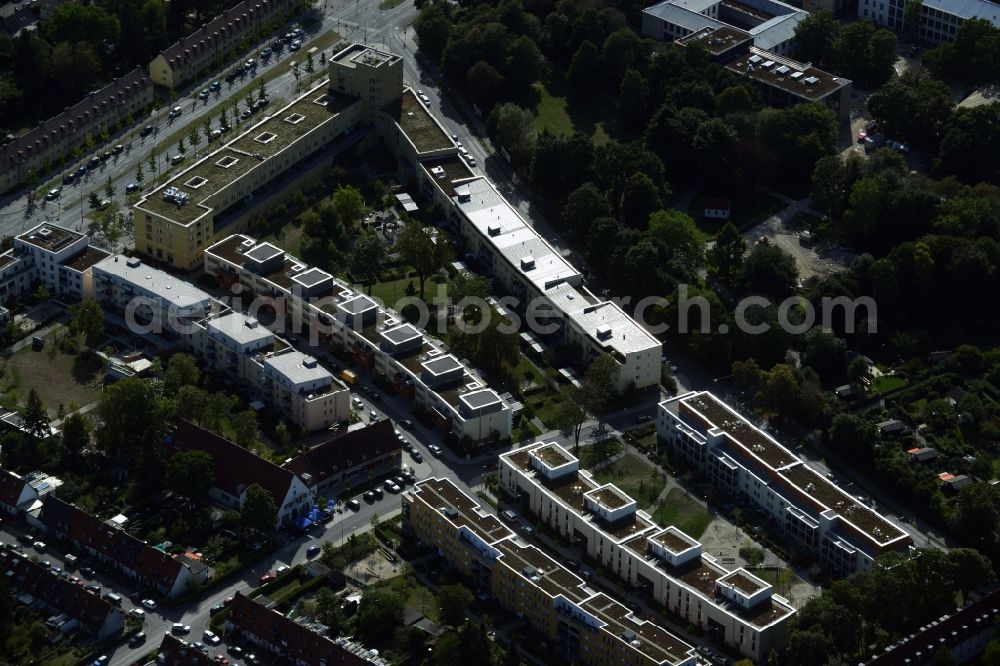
(716, 208)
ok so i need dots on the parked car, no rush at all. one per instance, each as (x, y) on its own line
(354, 505)
(175, 112)
(528, 529)
(434, 449)
(138, 614)
(149, 604)
(282, 569)
(137, 639)
(228, 600)
(416, 455)
(39, 546)
(211, 638)
(216, 86)
(295, 45)
(81, 172)
(369, 497)
(53, 193)
(132, 186)
(379, 494)
(643, 419)
(118, 148)
(146, 131)
(94, 162)
(509, 515)
(268, 577)
(407, 423)
(265, 52)
(180, 629)
(88, 572)
(203, 94)
(93, 588)
(217, 608)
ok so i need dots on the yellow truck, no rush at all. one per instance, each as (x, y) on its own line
(349, 377)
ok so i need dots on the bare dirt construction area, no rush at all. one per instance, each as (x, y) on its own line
(812, 258)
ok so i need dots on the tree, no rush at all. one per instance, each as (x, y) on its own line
(524, 63)
(599, 385)
(259, 509)
(133, 418)
(780, 393)
(139, 175)
(379, 613)
(453, 604)
(485, 85)
(808, 647)
(82, 23)
(829, 180)
(582, 68)
(571, 415)
(244, 425)
(348, 204)
(915, 108)
(433, 27)
(181, 149)
(88, 321)
(367, 256)
(424, 253)
(94, 201)
(78, 67)
(864, 54)
(194, 136)
(514, 129)
(726, 256)
(639, 199)
(191, 473)
(814, 37)
(310, 66)
(857, 370)
(680, 241)
(35, 417)
(328, 610)
(182, 370)
(747, 377)
(849, 435)
(583, 206)
(769, 270)
(109, 188)
(633, 99)
(75, 435)
(825, 353)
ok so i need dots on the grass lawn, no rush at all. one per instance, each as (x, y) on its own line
(887, 383)
(59, 378)
(414, 594)
(680, 510)
(554, 112)
(640, 481)
(598, 452)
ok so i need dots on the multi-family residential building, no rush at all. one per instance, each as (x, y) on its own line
(782, 80)
(348, 460)
(293, 642)
(218, 40)
(451, 396)
(237, 468)
(75, 608)
(770, 23)
(54, 140)
(736, 607)
(964, 634)
(938, 21)
(48, 255)
(587, 626)
(372, 76)
(21, 494)
(175, 313)
(225, 190)
(175, 651)
(740, 459)
(108, 543)
(544, 285)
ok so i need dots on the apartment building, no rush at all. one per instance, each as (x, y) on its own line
(736, 607)
(782, 80)
(175, 313)
(74, 608)
(53, 141)
(293, 642)
(742, 460)
(113, 546)
(586, 626)
(938, 20)
(48, 255)
(345, 461)
(174, 651)
(545, 284)
(372, 76)
(770, 23)
(215, 42)
(237, 468)
(223, 191)
(451, 396)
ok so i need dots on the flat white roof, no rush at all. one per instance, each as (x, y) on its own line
(627, 336)
(292, 366)
(174, 293)
(238, 328)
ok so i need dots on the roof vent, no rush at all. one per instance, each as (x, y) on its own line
(603, 332)
(493, 230)
(309, 362)
(133, 262)
(527, 263)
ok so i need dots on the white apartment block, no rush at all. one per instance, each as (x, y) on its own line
(742, 460)
(939, 20)
(418, 367)
(48, 255)
(736, 607)
(771, 23)
(543, 282)
(226, 342)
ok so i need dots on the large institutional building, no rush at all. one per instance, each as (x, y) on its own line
(742, 460)
(365, 98)
(586, 626)
(736, 607)
(938, 20)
